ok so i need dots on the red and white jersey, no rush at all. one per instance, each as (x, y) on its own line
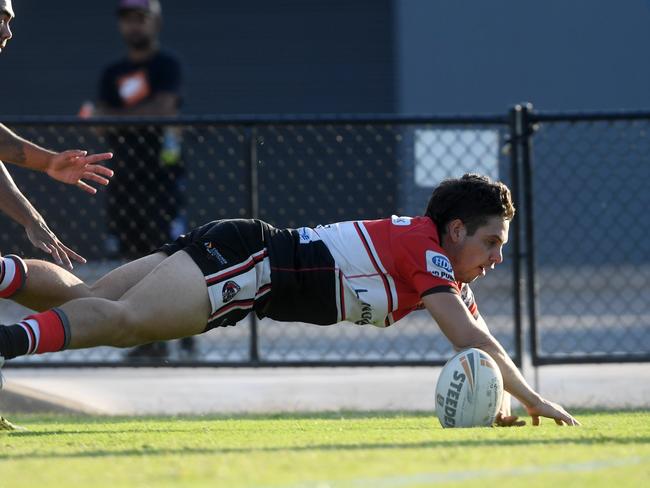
(385, 267)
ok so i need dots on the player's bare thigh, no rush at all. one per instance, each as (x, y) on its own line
(118, 281)
(49, 285)
(170, 302)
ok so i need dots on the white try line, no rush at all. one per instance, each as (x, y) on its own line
(420, 478)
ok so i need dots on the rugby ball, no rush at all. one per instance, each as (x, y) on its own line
(469, 390)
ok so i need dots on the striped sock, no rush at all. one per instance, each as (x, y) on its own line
(43, 332)
(13, 274)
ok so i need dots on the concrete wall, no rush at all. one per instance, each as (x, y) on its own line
(472, 56)
(250, 56)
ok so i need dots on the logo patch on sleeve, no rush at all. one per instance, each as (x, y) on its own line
(401, 220)
(439, 266)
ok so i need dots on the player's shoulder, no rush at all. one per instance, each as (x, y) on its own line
(421, 228)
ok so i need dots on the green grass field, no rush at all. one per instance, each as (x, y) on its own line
(330, 450)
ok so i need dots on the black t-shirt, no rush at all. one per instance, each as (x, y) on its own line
(125, 83)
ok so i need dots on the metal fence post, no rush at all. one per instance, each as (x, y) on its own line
(254, 354)
(514, 126)
(529, 227)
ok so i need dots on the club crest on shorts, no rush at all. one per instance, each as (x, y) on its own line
(230, 289)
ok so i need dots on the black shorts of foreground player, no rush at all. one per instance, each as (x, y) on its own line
(368, 272)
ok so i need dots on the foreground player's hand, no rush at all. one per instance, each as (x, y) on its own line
(503, 420)
(545, 408)
(42, 237)
(504, 417)
(73, 167)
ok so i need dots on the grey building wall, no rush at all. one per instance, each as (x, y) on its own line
(249, 56)
(473, 56)
(409, 56)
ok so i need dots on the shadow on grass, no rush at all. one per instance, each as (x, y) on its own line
(340, 415)
(437, 444)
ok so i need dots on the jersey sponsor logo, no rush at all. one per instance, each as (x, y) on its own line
(366, 314)
(214, 253)
(401, 220)
(366, 308)
(307, 235)
(230, 289)
(439, 266)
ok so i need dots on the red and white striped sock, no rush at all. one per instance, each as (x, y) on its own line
(13, 274)
(46, 332)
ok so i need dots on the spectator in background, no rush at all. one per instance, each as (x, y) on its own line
(145, 199)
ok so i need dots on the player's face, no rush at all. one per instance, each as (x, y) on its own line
(139, 29)
(6, 14)
(474, 255)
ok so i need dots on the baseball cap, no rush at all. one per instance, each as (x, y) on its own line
(150, 6)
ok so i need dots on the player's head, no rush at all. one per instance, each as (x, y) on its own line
(6, 15)
(473, 215)
(139, 22)
(473, 199)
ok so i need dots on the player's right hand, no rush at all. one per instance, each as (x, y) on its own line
(40, 235)
(545, 408)
(76, 167)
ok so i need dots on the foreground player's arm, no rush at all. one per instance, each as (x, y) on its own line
(463, 331)
(504, 417)
(16, 206)
(71, 167)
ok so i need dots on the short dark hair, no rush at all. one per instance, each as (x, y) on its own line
(473, 198)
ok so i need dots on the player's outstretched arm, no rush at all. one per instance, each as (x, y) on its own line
(16, 206)
(504, 417)
(73, 167)
(462, 330)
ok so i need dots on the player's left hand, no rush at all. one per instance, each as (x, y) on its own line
(42, 237)
(75, 166)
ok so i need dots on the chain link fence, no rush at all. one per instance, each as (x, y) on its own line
(578, 247)
(174, 175)
(591, 227)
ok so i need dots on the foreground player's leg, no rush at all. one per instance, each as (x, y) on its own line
(169, 303)
(49, 285)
